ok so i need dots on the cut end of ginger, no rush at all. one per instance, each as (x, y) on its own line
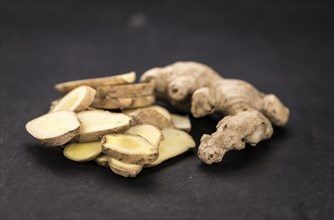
(82, 152)
(54, 129)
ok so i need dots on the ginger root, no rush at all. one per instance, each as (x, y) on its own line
(197, 88)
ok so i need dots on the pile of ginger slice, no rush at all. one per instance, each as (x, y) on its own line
(114, 122)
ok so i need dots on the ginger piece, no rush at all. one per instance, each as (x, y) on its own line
(181, 122)
(175, 143)
(96, 82)
(124, 169)
(195, 87)
(102, 160)
(97, 123)
(125, 91)
(121, 103)
(54, 129)
(158, 108)
(82, 152)
(177, 82)
(76, 100)
(129, 148)
(161, 110)
(151, 117)
(233, 132)
(149, 132)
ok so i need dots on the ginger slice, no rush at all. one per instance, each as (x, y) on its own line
(102, 160)
(158, 108)
(82, 152)
(181, 122)
(78, 99)
(129, 148)
(124, 169)
(97, 123)
(96, 82)
(121, 103)
(125, 91)
(149, 132)
(162, 111)
(54, 129)
(152, 117)
(175, 143)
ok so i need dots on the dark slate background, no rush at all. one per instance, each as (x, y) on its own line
(281, 47)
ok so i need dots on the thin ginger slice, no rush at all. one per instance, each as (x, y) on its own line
(76, 100)
(54, 129)
(175, 143)
(181, 122)
(129, 148)
(125, 91)
(82, 152)
(149, 132)
(97, 123)
(158, 108)
(96, 82)
(152, 117)
(102, 160)
(122, 103)
(124, 169)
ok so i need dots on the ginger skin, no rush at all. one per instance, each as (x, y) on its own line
(249, 114)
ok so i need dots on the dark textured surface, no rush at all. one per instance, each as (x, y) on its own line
(284, 48)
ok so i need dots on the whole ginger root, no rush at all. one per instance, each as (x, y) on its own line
(248, 113)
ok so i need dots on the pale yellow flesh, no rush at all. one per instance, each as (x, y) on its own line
(149, 132)
(83, 95)
(181, 122)
(175, 143)
(95, 82)
(98, 120)
(128, 144)
(53, 124)
(83, 151)
(102, 160)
